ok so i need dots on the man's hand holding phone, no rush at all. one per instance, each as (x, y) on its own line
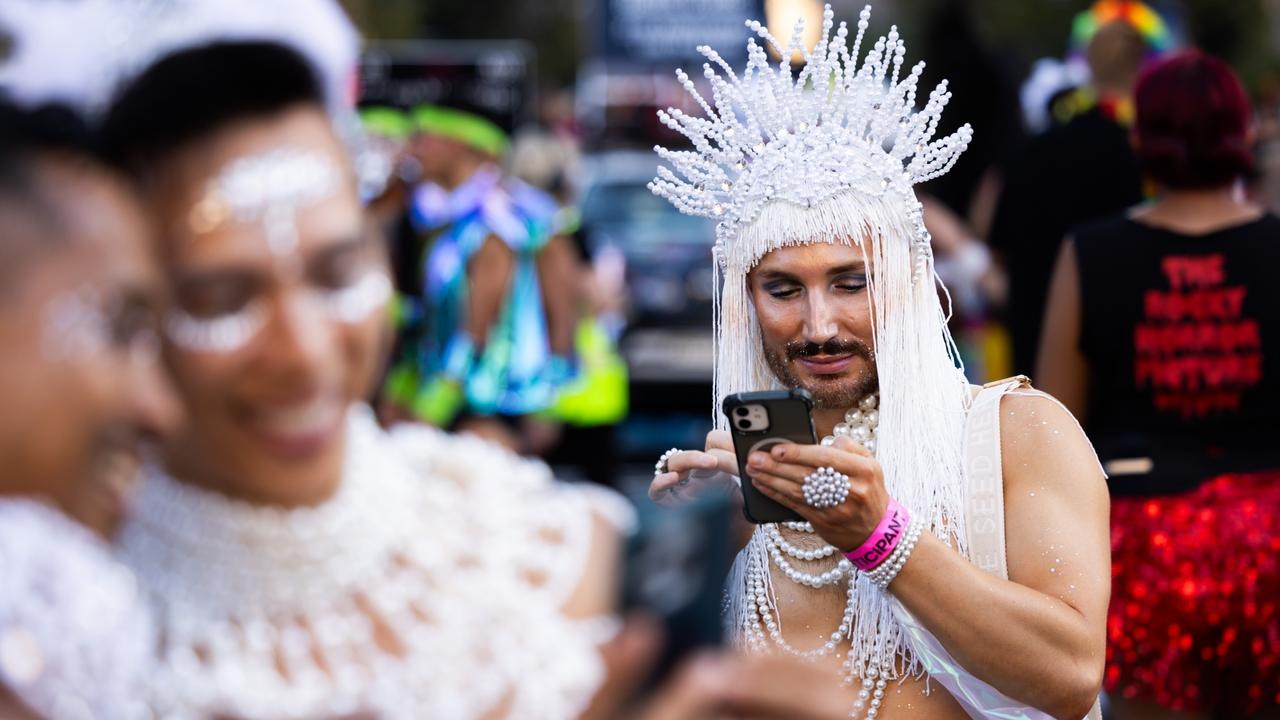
(690, 472)
(779, 474)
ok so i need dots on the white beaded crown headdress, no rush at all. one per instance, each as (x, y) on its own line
(835, 128)
(831, 155)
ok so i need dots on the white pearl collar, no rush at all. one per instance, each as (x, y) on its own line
(430, 539)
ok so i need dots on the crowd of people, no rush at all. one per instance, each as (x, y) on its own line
(283, 373)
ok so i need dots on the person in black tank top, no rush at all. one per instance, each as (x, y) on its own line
(1163, 332)
(1174, 328)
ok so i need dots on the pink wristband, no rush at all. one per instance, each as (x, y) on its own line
(879, 546)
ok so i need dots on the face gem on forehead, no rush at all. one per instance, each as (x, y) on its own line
(270, 188)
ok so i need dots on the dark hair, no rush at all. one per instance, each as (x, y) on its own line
(28, 135)
(32, 220)
(196, 92)
(1192, 122)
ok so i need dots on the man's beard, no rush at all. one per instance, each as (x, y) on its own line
(829, 393)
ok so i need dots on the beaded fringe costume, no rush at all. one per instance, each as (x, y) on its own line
(831, 155)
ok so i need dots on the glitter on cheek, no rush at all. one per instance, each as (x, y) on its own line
(360, 299)
(74, 326)
(221, 334)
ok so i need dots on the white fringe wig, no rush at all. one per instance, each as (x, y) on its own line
(831, 156)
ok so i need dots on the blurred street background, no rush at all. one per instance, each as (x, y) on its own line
(577, 83)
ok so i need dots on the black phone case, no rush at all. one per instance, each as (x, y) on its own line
(789, 421)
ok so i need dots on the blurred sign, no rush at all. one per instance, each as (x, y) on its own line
(492, 78)
(669, 31)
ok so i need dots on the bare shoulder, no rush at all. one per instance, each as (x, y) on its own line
(1057, 505)
(1044, 447)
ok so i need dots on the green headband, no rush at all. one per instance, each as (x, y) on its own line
(386, 122)
(470, 129)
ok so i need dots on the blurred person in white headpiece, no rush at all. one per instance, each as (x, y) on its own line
(83, 389)
(948, 552)
(302, 562)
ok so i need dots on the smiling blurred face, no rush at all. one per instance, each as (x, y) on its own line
(274, 330)
(815, 321)
(79, 374)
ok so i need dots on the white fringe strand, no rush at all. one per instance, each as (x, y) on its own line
(923, 394)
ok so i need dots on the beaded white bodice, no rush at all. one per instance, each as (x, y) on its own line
(429, 585)
(75, 640)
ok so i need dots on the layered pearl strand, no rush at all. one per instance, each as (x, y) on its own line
(762, 626)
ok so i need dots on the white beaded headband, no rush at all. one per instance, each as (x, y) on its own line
(836, 128)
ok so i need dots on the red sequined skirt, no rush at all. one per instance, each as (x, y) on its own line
(1194, 622)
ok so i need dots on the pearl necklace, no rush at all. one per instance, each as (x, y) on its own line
(860, 423)
(761, 619)
(459, 553)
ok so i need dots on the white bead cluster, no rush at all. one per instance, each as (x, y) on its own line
(889, 569)
(825, 488)
(837, 127)
(860, 424)
(660, 467)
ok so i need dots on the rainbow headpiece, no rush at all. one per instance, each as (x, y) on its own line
(1142, 17)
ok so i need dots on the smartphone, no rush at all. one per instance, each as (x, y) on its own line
(677, 561)
(758, 421)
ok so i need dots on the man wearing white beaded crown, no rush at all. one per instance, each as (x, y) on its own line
(951, 533)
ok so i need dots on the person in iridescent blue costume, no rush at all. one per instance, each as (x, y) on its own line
(480, 343)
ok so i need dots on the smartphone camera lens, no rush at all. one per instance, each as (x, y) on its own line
(741, 412)
(744, 424)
